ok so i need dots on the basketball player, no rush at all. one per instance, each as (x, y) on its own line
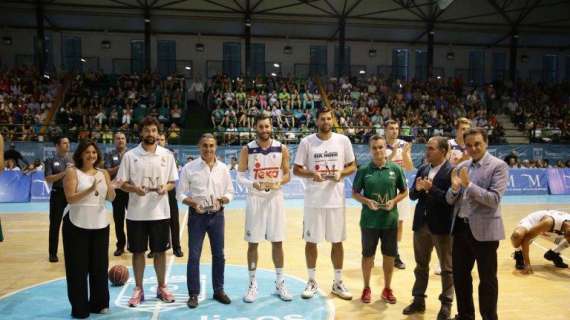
(324, 159)
(149, 172)
(112, 162)
(174, 220)
(399, 152)
(457, 152)
(263, 169)
(536, 223)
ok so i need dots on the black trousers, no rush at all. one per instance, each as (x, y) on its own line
(57, 204)
(174, 222)
(467, 250)
(86, 264)
(119, 207)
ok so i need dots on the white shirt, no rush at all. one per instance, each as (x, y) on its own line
(264, 165)
(434, 170)
(457, 151)
(197, 180)
(151, 170)
(324, 156)
(399, 156)
(89, 212)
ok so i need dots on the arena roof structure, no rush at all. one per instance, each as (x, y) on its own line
(486, 23)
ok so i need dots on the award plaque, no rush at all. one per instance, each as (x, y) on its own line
(381, 201)
(207, 204)
(269, 185)
(330, 173)
(151, 184)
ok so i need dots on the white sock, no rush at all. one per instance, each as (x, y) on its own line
(337, 275)
(518, 249)
(251, 275)
(279, 274)
(561, 246)
(311, 273)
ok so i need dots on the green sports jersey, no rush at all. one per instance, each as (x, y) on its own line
(380, 184)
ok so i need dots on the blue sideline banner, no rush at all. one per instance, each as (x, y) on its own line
(40, 188)
(559, 181)
(14, 187)
(34, 150)
(527, 182)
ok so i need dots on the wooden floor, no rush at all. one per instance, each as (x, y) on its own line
(544, 295)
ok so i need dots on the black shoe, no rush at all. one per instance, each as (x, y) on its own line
(519, 260)
(53, 258)
(192, 302)
(178, 252)
(150, 255)
(222, 297)
(444, 312)
(119, 252)
(398, 263)
(415, 307)
(555, 258)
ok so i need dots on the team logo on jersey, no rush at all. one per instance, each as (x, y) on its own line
(260, 173)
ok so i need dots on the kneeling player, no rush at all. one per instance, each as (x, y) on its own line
(536, 223)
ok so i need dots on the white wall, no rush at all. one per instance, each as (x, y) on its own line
(185, 50)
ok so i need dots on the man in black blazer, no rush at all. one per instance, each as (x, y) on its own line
(432, 225)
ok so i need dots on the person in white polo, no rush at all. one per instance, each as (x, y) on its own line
(324, 159)
(149, 172)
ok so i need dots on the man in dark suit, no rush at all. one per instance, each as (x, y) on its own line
(432, 222)
(477, 187)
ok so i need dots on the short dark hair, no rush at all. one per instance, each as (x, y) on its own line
(442, 143)
(57, 140)
(323, 110)
(262, 116)
(149, 121)
(389, 122)
(207, 136)
(375, 138)
(474, 131)
(81, 147)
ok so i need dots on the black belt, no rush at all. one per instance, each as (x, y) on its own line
(193, 211)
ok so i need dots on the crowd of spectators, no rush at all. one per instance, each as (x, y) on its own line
(362, 105)
(541, 110)
(97, 105)
(514, 161)
(25, 101)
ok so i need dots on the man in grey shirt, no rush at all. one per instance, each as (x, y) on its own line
(477, 186)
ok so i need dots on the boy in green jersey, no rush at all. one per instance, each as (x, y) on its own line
(379, 186)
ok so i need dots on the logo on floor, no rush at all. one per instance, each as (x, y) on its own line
(52, 297)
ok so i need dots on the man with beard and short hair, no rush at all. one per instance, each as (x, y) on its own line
(111, 163)
(324, 159)
(149, 172)
(399, 152)
(54, 174)
(263, 168)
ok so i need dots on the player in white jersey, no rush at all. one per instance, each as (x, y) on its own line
(324, 159)
(263, 169)
(537, 223)
(457, 152)
(399, 152)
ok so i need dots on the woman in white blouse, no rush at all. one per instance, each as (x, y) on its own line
(86, 232)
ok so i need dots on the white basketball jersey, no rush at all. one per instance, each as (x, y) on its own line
(264, 164)
(398, 157)
(457, 151)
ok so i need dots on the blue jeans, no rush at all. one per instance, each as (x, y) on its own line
(198, 226)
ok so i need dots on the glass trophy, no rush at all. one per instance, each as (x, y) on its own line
(151, 184)
(381, 201)
(207, 204)
(269, 184)
(330, 173)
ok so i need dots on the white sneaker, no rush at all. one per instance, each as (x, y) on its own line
(341, 291)
(282, 292)
(251, 294)
(437, 270)
(310, 289)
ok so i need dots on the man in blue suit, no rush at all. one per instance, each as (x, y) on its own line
(477, 187)
(432, 222)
